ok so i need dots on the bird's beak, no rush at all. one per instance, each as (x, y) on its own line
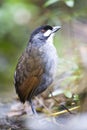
(55, 29)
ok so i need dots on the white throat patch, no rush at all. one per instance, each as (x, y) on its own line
(47, 33)
(50, 39)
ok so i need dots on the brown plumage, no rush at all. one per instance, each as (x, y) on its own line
(28, 75)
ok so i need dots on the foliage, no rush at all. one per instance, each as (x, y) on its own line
(69, 3)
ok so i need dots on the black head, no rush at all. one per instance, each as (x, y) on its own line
(43, 32)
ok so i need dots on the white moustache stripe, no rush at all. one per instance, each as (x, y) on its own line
(47, 33)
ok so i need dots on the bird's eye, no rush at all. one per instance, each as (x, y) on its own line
(43, 31)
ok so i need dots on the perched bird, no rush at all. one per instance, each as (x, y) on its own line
(36, 67)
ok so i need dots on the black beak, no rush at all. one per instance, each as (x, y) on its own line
(55, 29)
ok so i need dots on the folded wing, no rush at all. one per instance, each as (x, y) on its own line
(28, 76)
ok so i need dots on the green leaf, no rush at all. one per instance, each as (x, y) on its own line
(50, 2)
(76, 97)
(69, 3)
(68, 94)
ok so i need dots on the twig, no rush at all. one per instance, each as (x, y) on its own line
(61, 105)
(64, 111)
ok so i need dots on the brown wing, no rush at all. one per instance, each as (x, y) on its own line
(28, 76)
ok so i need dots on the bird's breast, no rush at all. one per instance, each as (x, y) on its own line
(50, 58)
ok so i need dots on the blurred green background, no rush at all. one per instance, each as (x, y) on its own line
(19, 17)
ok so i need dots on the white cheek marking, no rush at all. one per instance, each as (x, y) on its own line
(47, 33)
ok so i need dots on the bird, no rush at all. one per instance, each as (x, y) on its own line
(36, 67)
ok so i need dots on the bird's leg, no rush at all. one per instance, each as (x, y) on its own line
(32, 107)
